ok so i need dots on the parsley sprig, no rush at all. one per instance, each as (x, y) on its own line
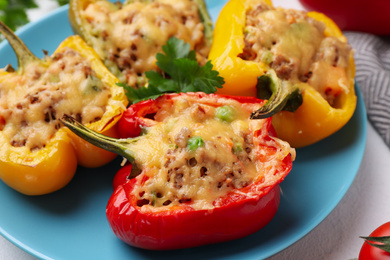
(14, 12)
(180, 73)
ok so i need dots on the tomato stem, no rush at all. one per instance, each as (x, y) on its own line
(385, 242)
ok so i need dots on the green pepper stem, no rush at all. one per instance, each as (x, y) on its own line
(206, 20)
(23, 54)
(118, 146)
(281, 95)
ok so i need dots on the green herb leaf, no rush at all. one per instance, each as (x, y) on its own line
(3, 4)
(25, 4)
(181, 73)
(157, 81)
(63, 2)
(176, 49)
(14, 18)
(137, 95)
(13, 12)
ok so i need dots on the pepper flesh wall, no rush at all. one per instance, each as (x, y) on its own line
(128, 36)
(305, 50)
(199, 169)
(38, 154)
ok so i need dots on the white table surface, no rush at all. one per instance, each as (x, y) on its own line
(364, 207)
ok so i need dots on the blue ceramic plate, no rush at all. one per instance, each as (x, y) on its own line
(71, 223)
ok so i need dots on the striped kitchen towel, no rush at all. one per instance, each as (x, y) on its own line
(372, 58)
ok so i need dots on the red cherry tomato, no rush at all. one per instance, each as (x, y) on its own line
(368, 16)
(369, 252)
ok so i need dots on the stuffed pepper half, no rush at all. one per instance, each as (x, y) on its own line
(128, 36)
(304, 55)
(38, 155)
(199, 170)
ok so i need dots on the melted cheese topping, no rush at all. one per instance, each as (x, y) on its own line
(129, 36)
(294, 45)
(30, 103)
(227, 159)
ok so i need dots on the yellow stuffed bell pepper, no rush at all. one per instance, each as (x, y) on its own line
(305, 57)
(127, 36)
(38, 154)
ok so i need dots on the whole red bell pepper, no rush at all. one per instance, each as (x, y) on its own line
(244, 209)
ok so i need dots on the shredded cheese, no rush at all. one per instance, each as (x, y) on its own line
(230, 158)
(128, 37)
(31, 103)
(295, 46)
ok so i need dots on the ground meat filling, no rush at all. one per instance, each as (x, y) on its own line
(294, 46)
(203, 157)
(182, 168)
(131, 35)
(31, 103)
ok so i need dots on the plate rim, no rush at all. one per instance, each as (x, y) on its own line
(303, 233)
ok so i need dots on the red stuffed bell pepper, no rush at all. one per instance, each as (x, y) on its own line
(200, 169)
